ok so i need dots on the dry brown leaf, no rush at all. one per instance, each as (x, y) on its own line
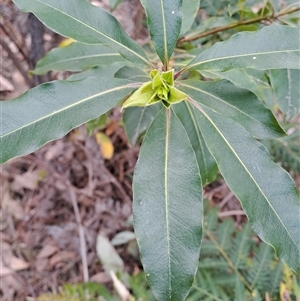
(9, 285)
(11, 261)
(54, 150)
(47, 251)
(4, 271)
(11, 206)
(27, 180)
(101, 277)
(42, 264)
(111, 128)
(62, 256)
(5, 85)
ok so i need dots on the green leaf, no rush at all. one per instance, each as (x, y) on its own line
(76, 57)
(137, 121)
(253, 80)
(167, 208)
(164, 22)
(99, 71)
(262, 50)
(285, 84)
(266, 191)
(206, 163)
(239, 104)
(86, 23)
(50, 111)
(132, 73)
(189, 11)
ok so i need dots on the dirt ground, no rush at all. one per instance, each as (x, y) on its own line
(55, 201)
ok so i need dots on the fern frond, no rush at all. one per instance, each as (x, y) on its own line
(239, 290)
(225, 233)
(260, 271)
(256, 296)
(241, 247)
(275, 278)
(286, 150)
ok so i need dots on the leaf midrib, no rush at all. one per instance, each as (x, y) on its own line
(226, 103)
(99, 32)
(63, 109)
(194, 102)
(167, 200)
(198, 136)
(78, 58)
(240, 55)
(165, 31)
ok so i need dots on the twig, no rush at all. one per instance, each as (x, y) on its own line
(10, 33)
(81, 233)
(16, 62)
(71, 190)
(114, 181)
(120, 287)
(230, 213)
(236, 24)
(226, 199)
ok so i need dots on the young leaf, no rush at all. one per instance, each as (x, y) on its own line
(266, 191)
(189, 11)
(262, 50)
(167, 208)
(239, 104)
(50, 111)
(76, 57)
(285, 84)
(207, 164)
(86, 23)
(164, 22)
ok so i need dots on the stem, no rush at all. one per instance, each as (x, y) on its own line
(236, 24)
(12, 36)
(16, 62)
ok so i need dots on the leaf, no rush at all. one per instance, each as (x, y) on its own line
(99, 71)
(160, 88)
(189, 11)
(106, 146)
(86, 23)
(164, 23)
(206, 163)
(262, 50)
(285, 84)
(255, 81)
(239, 104)
(132, 73)
(108, 255)
(51, 110)
(66, 42)
(97, 123)
(137, 120)
(76, 57)
(122, 238)
(266, 191)
(167, 208)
